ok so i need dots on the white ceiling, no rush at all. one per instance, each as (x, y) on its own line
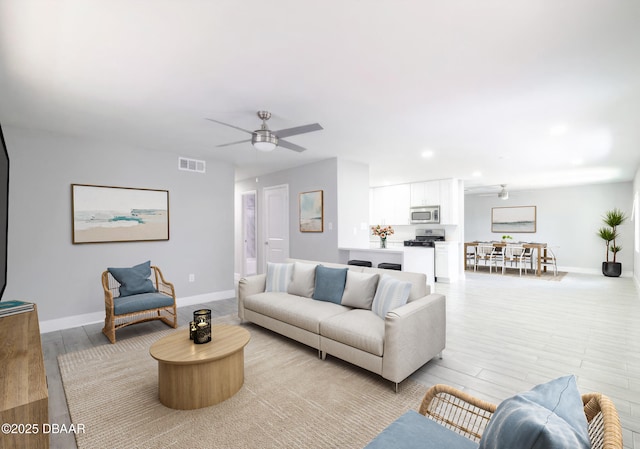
(529, 93)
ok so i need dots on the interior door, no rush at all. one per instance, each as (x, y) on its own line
(276, 224)
(249, 236)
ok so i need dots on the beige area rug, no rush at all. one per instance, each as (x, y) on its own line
(290, 399)
(513, 272)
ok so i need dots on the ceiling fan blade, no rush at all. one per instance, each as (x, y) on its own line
(297, 130)
(233, 143)
(231, 126)
(290, 146)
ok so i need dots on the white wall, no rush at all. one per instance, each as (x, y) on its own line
(636, 227)
(44, 265)
(353, 204)
(567, 217)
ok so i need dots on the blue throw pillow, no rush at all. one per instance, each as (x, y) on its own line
(278, 276)
(390, 294)
(330, 284)
(549, 416)
(134, 280)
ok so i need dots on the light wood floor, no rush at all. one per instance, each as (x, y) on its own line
(504, 335)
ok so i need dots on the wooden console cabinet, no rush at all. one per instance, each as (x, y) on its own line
(24, 399)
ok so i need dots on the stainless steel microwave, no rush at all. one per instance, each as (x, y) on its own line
(425, 214)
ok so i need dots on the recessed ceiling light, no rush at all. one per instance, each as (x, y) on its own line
(427, 154)
(476, 174)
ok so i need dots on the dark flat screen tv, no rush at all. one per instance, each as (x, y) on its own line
(4, 211)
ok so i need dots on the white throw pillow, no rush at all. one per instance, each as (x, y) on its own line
(304, 279)
(390, 294)
(359, 289)
(278, 276)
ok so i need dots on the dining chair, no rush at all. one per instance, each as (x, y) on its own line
(549, 259)
(471, 256)
(486, 252)
(514, 254)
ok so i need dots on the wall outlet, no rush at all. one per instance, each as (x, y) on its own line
(192, 277)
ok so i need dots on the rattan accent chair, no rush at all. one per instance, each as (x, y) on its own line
(469, 416)
(113, 322)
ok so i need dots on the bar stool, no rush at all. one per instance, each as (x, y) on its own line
(360, 263)
(390, 266)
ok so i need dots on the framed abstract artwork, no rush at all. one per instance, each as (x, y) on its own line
(311, 211)
(102, 214)
(513, 219)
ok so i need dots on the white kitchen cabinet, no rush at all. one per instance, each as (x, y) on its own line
(446, 261)
(425, 193)
(390, 205)
(420, 260)
(449, 203)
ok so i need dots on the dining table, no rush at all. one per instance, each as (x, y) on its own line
(540, 248)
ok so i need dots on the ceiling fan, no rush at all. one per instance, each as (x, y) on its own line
(503, 194)
(264, 139)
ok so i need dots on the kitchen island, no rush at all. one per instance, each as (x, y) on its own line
(414, 259)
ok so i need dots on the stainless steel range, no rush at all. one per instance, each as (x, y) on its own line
(426, 237)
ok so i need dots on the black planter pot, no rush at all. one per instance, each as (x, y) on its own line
(612, 269)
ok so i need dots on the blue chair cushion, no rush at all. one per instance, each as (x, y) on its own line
(415, 431)
(143, 301)
(134, 280)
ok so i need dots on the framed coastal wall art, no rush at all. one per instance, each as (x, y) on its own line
(513, 219)
(311, 211)
(102, 214)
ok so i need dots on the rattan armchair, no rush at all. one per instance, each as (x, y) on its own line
(165, 313)
(469, 416)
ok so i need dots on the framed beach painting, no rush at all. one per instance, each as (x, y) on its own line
(513, 219)
(311, 211)
(104, 214)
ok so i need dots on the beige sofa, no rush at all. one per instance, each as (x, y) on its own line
(393, 347)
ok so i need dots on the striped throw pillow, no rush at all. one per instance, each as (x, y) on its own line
(278, 276)
(390, 294)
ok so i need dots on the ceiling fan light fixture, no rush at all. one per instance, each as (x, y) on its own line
(263, 140)
(503, 195)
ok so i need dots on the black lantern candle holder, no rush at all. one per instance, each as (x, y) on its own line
(192, 330)
(202, 319)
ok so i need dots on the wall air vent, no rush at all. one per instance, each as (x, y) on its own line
(191, 165)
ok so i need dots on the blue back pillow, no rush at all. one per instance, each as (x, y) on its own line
(134, 280)
(330, 284)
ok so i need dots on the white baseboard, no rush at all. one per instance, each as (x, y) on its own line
(98, 317)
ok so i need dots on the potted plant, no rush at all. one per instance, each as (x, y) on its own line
(506, 238)
(609, 234)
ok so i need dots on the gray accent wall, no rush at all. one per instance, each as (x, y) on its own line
(567, 218)
(343, 216)
(63, 278)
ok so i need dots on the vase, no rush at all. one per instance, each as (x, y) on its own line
(383, 242)
(612, 269)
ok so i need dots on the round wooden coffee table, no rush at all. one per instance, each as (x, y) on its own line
(193, 376)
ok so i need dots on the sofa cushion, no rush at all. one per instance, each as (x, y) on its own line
(329, 284)
(415, 431)
(305, 313)
(140, 302)
(550, 415)
(278, 276)
(134, 280)
(358, 328)
(304, 279)
(390, 294)
(359, 289)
